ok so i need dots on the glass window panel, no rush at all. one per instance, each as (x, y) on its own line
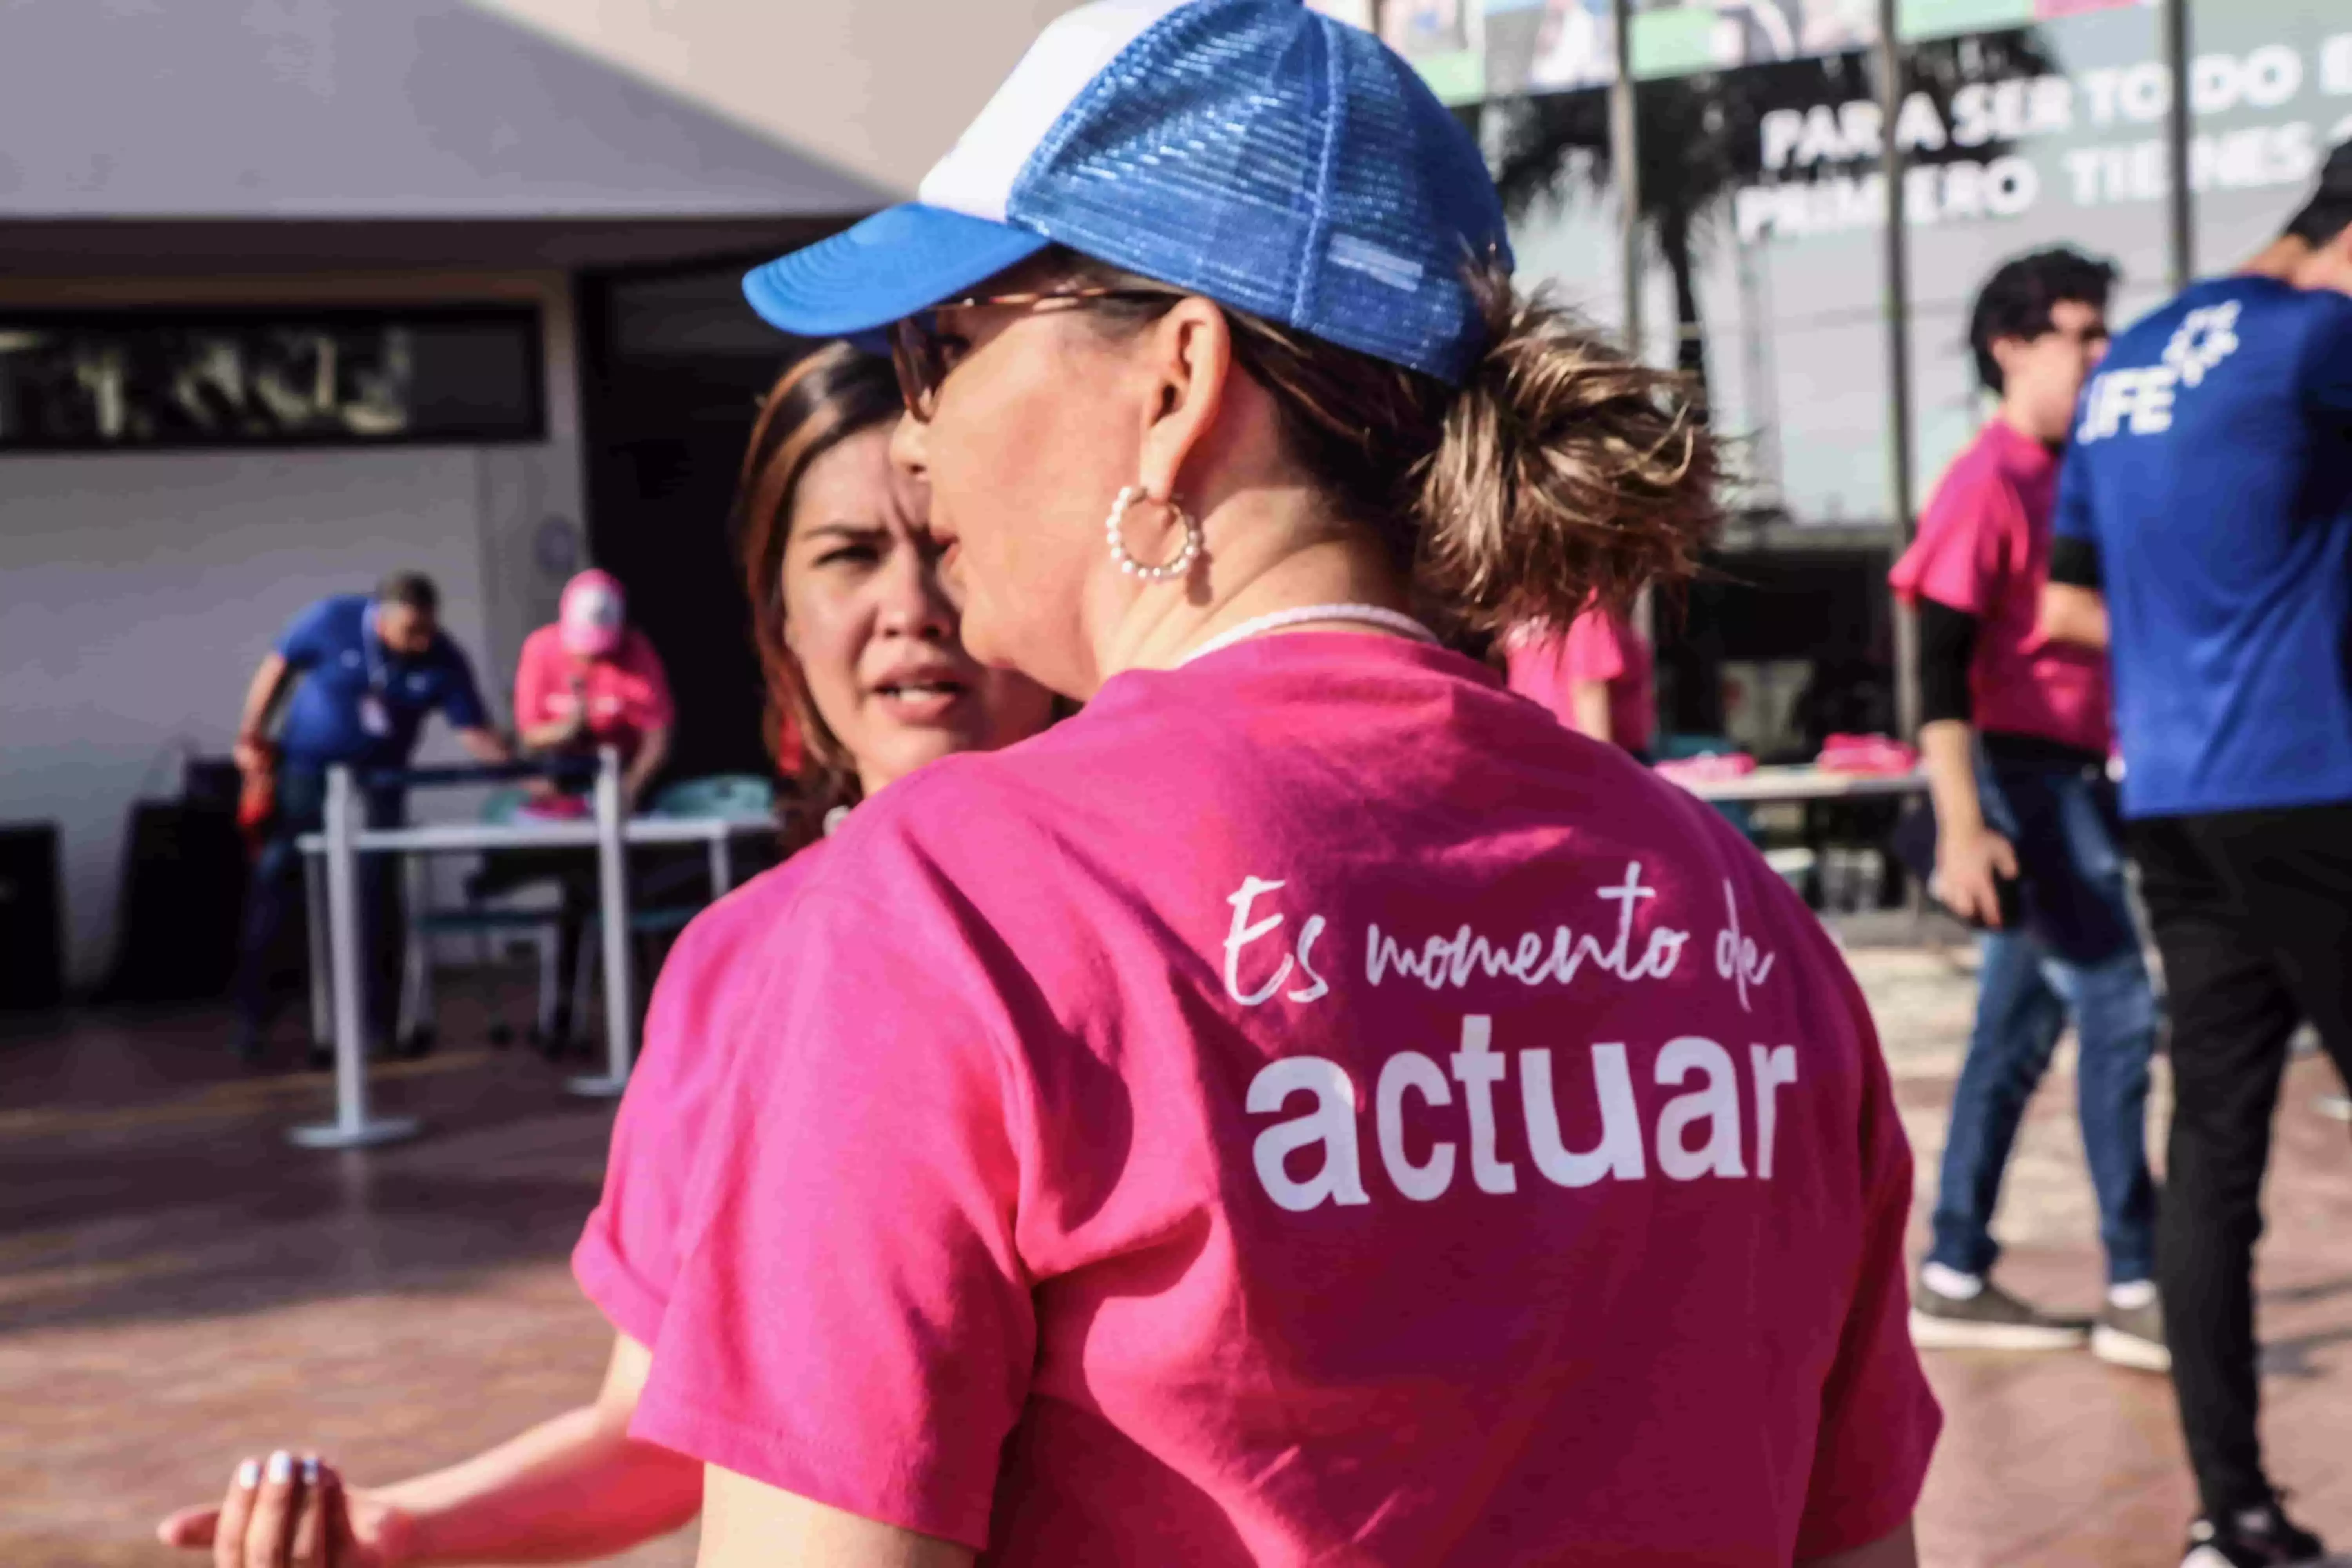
(2270, 92)
(81, 381)
(1763, 276)
(1550, 155)
(2024, 139)
(1444, 40)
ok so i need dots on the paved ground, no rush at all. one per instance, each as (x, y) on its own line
(177, 1287)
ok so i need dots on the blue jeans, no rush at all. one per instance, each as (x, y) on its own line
(2076, 953)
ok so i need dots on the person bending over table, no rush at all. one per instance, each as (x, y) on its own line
(857, 638)
(356, 674)
(589, 681)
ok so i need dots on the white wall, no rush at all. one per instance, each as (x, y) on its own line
(877, 87)
(137, 593)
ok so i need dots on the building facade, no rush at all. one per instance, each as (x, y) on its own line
(294, 295)
(1755, 136)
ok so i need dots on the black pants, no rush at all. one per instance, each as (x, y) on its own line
(2252, 913)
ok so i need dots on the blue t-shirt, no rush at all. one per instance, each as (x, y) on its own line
(335, 646)
(2211, 470)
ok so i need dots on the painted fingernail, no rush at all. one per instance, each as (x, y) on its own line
(281, 1468)
(248, 1474)
(311, 1470)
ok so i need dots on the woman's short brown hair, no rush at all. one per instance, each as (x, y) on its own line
(818, 403)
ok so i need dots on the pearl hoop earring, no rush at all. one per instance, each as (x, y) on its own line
(1168, 570)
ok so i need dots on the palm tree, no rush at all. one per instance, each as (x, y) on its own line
(1699, 137)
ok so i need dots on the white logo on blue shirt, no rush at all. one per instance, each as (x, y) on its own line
(2139, 401)
(2206, 338)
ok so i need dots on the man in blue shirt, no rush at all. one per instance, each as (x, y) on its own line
(365, 672)
(2204, 532)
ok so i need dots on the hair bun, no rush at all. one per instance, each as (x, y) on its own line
(1565, 472)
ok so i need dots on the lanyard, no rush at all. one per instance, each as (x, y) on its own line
(372, 651)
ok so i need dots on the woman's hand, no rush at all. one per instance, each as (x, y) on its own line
(290, 1512)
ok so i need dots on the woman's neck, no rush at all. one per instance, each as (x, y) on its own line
(1264, 555)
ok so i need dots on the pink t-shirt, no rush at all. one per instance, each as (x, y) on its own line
(627, 1258)
(1983, 549)
(627, 694)
(1602, 645)
(1309, 1107)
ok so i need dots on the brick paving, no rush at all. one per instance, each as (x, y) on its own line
(178, 1288)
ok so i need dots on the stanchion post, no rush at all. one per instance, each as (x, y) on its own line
(613, 886)
(314, 910)
(1896, 296)
(2179, 228)
(352, 1126)
(1625, 168)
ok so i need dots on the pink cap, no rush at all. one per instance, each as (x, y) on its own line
(592, 614)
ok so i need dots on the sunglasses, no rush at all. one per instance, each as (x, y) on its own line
(920, 354)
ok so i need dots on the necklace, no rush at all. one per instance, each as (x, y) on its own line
(1368, 614)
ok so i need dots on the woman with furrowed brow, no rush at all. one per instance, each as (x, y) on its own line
(866, 683)
(1310, 1107)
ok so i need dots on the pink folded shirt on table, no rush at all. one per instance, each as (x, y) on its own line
(1712, 767)
(1873, 755)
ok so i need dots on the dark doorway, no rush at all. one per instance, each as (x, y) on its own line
(675, 366)
(1826, 609)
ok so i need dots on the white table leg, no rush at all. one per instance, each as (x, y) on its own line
(352, 1126)
(322, 987)
(620, 982)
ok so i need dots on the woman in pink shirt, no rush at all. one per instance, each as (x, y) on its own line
(1596, 679)
(859, 646)
(1309, 1107)
(592, 680)
(587, 681)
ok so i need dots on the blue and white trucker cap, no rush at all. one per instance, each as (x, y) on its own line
(1255, 151)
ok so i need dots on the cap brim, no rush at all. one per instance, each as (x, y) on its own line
(902, 259)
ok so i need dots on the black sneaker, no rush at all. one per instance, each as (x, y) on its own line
(2255, 1538)
(1991, 1320)
(2133, 1337)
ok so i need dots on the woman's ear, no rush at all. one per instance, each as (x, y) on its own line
(1189, 354)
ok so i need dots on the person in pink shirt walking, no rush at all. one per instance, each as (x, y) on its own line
(1596, 679)
(1309, 1107)
(2016, 740)
(848, 615)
